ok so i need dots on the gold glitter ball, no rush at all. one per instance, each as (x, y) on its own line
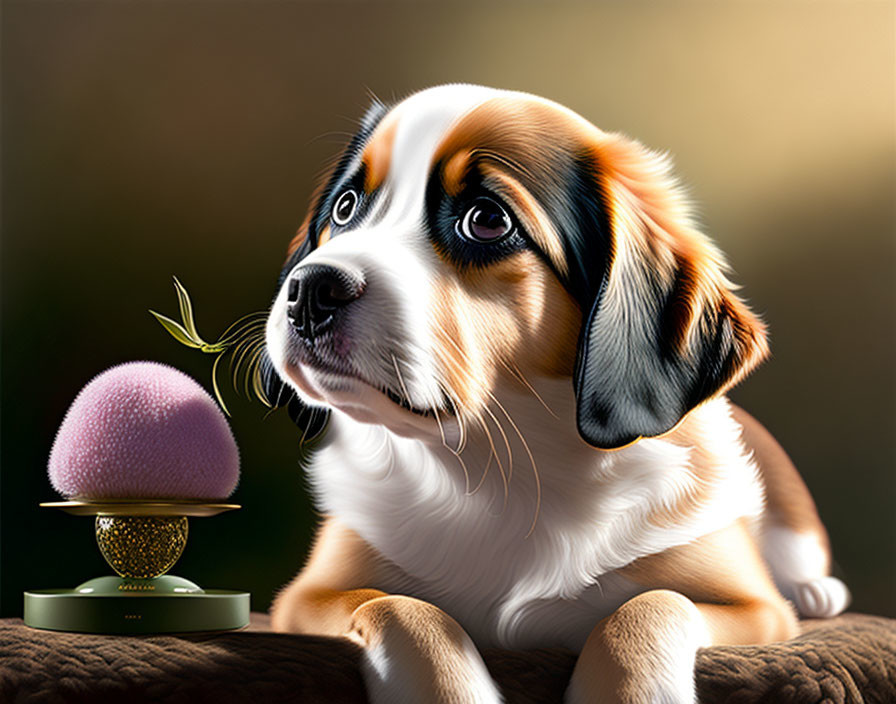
(141, 547)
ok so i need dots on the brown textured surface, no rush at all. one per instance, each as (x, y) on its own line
(848, 659)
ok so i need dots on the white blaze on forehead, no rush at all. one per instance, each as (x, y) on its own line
(391, 321)
(423, 120)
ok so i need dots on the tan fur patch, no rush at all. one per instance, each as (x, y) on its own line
(429, 650)
(331, 585)
(377, 154)
(749, 334)
(514, 312)
(750, 623)
(725, 575)
(651, 228)
(724, 567)
(628, 650)
(299, 239)
(788, 501)
(455, 170)
(522, 141)
(650, 220)
(530, 213)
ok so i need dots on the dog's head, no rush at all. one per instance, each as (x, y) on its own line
(471, 236)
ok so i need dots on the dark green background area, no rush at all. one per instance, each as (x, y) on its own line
(142, 140)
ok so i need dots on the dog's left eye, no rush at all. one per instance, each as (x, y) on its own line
(485, 221)
(345, 207)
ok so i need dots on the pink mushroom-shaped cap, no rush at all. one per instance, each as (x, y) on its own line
(144, 430)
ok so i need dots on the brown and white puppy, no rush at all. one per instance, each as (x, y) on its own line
(521, 342)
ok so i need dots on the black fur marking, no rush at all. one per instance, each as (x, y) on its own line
(584, 229)
(717, 358)
(444, 212)
(340, 179)
(312, 421)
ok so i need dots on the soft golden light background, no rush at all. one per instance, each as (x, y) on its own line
(142, 140)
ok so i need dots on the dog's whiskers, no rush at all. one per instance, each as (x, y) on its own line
(488, 464)
(435, 408)
(463, 371)
(493, 453)
(463, 465)
(528, 450)
(460, 415)
(331, 135)
(404, 389)
(247, 351)
(312, 417)
(243, 342)
(531, 460)
(461, 441)
(251, 375)
(518, 374)
(506, 441)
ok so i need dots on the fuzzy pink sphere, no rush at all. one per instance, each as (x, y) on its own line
(144, 430)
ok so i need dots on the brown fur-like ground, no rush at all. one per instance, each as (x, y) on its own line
(847, 659)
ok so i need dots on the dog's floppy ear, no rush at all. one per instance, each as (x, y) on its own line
(664, 330)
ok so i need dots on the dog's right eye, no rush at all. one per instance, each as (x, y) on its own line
(485, 221)
(345, 207)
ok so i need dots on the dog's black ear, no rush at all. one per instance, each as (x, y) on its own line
(663, 330)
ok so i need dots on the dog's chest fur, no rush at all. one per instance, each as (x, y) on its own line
(472, 553)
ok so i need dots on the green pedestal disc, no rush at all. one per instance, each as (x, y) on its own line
(166, 604)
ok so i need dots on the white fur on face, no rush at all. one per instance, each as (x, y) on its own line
(382, 332)
(386, 340)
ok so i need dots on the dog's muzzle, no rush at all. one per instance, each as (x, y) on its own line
(315, 295)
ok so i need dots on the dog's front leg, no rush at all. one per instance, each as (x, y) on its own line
(644, 652)
(414, 652)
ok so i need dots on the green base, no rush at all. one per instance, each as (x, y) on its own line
(166, 604)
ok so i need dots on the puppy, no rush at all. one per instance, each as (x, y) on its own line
(519, 343)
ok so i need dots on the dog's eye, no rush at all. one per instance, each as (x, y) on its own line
(485, 221)
(345, 207)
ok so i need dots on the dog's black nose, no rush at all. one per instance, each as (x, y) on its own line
(316, 292)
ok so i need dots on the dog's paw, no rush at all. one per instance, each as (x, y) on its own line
(643, 653)
(823, 597)
(414, 652)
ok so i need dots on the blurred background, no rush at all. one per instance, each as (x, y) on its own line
(145, 140)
